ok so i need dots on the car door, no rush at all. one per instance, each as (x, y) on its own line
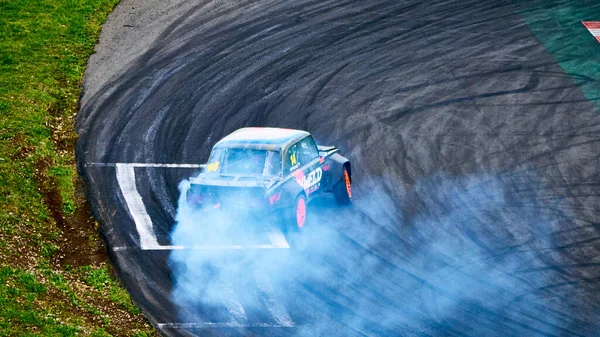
(315, 177)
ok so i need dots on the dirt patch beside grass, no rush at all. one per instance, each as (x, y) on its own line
(78, 243)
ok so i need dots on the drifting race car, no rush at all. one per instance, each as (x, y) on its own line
(270, 171)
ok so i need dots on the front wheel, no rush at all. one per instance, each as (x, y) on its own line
(342, 191)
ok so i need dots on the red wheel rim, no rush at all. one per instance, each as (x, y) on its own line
(348, 185)
(301, 212)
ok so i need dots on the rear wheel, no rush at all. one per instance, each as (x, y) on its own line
(300, 212)
(342, 191)
(294, 218)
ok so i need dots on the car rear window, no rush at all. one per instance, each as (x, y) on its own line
(238, 161)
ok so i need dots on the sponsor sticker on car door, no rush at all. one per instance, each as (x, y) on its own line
(311, 179)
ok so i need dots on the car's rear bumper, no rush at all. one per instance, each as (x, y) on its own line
(254, 207)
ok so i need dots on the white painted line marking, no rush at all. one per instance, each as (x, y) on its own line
(211, 247)
(203, 247)
(137, 209)
(212, 325)
(276, 237)
(273, 306)
(151, 165)
(143, 223)
(126, 179)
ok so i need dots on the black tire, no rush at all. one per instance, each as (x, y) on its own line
(342, 191)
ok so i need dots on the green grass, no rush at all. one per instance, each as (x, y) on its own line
(97, 278)
(64, 176)
(20, 294)
(44, 47)
(101, 280)
(44, 302)
(118, 295)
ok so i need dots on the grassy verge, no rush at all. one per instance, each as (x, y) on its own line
(54, 276)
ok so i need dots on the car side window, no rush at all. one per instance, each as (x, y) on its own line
(292, 158)
(308, 150)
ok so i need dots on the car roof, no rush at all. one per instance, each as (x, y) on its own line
(261, 138)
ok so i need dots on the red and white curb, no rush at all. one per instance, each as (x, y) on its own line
(593, 27)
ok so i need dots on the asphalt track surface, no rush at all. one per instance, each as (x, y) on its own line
(475, 167)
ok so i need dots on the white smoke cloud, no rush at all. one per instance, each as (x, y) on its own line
(418, 262)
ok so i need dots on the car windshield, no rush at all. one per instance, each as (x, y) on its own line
(237, 161)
